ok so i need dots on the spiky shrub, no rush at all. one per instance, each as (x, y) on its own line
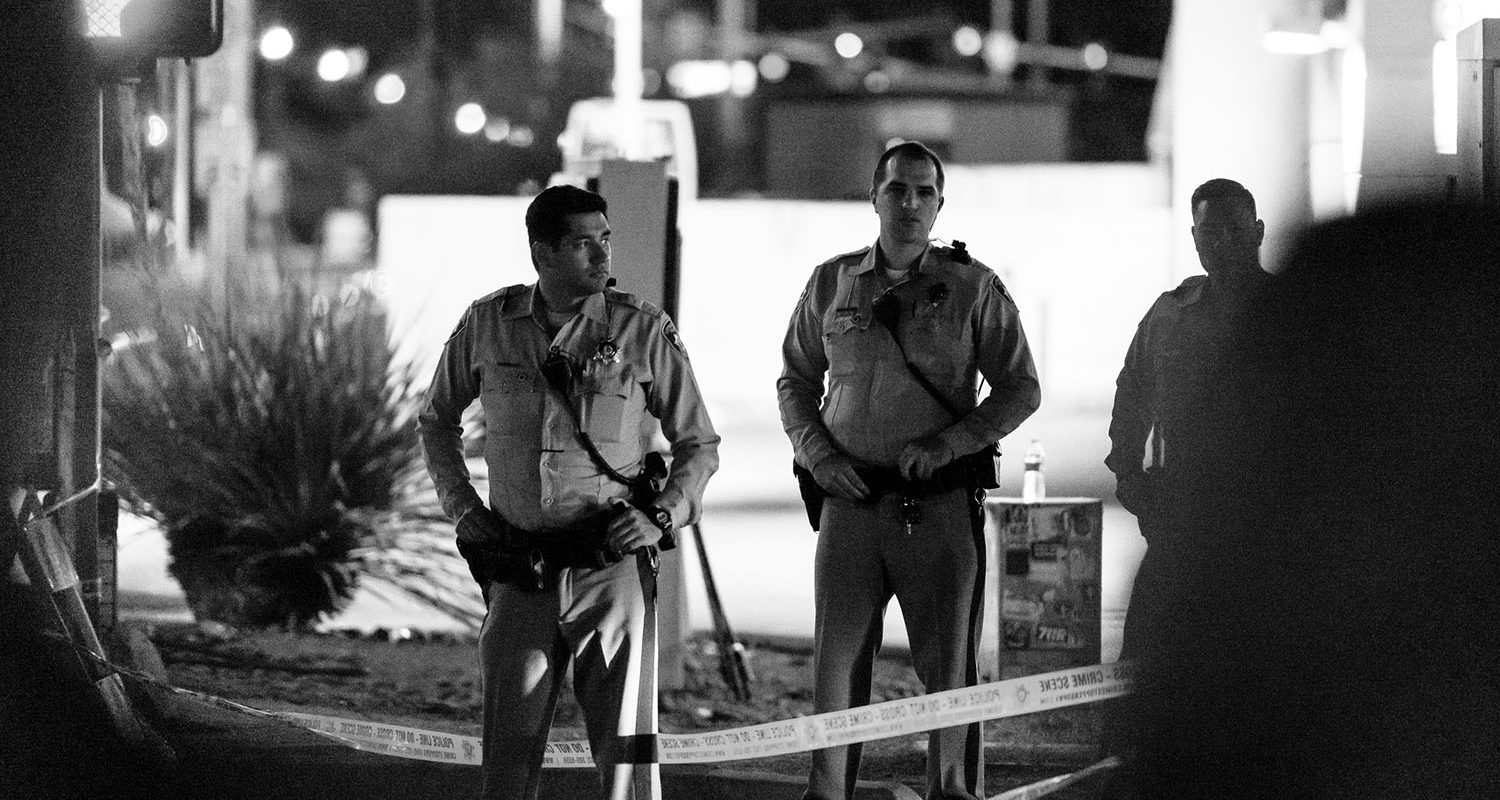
(278, 455)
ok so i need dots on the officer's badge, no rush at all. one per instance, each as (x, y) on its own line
(608, 352)
(936, 294)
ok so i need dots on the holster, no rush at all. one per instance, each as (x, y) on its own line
(972, 471)
(812, 493)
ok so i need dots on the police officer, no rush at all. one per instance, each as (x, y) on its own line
(566, 370)
(903, 330)
(1170, 363)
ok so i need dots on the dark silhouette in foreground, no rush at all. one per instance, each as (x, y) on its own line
(1336, 634)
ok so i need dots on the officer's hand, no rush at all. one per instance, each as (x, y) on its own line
(919, 459)
(1144, 494)
(836, 475)
(480, 527)
(629, 530)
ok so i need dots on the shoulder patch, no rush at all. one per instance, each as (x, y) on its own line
(996, 285)
(669, 331)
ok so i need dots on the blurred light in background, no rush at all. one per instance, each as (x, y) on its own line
(1452, 16)
(1293, 42)
(704, 78)
(877, 82)
(848, 45)
(469, 119)
(1355, 76)
(157, 130)
(276, 43)
(333, 65)
(102, 17)
(389, 89)
(521, 136)
(690, 79)
(1001, 51)
(774, 67)
(359, 58)
(742, 78)
(497, 129)
(1445, 96)
(1095, 57)
(968, 41)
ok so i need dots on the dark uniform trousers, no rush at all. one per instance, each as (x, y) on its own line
(864, 557)
(604, 621)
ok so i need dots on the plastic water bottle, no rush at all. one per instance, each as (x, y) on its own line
(1034, 480)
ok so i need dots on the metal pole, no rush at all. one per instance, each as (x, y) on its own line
(1002, 16)
(182, 162)
(628, 83)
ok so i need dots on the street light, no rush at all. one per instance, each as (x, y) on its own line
(469, 119)
(968, 41)
(276, 43)
(1095, 57)
(389, 89)
(848, 44)
(333, 65)
(157, 131)
(774, 67)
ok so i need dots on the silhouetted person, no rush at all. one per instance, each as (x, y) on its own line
(1335, 633)
(1157, 394)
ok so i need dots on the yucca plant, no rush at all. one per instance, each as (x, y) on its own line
(279, 456)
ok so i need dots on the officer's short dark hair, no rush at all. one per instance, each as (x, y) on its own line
(911, 149)
(547, 216)
(1222, 189)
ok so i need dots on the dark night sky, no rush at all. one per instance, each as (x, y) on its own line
(1132, 26)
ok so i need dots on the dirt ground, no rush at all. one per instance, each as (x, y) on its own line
(433, 684)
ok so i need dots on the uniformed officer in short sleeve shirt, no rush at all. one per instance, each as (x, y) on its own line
(627, 363)
(854, 409)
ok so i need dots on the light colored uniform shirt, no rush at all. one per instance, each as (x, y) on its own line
(957, 323)
(540, 476)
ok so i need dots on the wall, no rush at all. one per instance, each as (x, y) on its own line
(1084, 249)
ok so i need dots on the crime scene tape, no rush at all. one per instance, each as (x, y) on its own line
(1007, 698)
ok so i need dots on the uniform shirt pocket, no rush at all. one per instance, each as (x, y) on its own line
(843, 332)
(512, 398)
(606, 411)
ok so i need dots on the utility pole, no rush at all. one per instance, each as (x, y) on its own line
(226, 153)
(736, 20)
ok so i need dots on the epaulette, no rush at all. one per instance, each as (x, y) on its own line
(1192, 283)
(853, 255)
(500, 295)
(631, 300)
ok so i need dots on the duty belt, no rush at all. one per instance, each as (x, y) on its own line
(967, 472)
(530, 559)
